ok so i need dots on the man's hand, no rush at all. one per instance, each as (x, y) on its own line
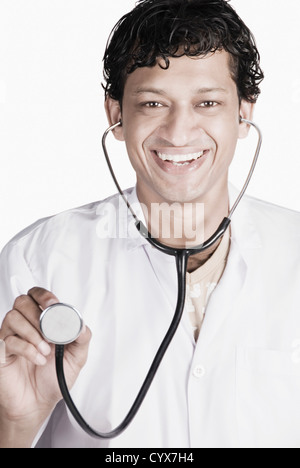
(28, 385)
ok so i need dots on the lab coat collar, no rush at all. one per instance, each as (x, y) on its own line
(243, 230)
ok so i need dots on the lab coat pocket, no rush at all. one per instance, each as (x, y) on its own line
(267, 398)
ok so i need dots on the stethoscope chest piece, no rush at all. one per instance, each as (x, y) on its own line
(61, 324)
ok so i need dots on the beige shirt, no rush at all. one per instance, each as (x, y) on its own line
(202, 282)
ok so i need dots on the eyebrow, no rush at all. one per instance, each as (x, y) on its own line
(211, 90)
(161, 92)
(149, 90)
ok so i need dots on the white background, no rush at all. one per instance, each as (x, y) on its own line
(52, 117)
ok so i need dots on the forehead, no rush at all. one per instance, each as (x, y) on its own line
(211, 72)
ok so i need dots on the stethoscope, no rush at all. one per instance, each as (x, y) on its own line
(61, 324)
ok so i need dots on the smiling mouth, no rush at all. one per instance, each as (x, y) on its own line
(180, 159)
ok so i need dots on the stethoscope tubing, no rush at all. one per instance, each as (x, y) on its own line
(181, 256)
(181, 261)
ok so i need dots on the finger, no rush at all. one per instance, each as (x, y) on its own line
(15, 346)
(84, 337)
(42, 297)
(2, 352)
(16, 324)
(79, 348)
(27, 307)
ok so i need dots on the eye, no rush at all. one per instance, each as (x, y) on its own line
(153, 104)
(208, 104)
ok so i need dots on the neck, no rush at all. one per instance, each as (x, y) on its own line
(196, 261)
(187, 224)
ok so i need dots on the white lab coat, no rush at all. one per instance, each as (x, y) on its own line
(238, 386)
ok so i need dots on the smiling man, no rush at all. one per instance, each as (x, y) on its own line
(181, 75)
(181, 128)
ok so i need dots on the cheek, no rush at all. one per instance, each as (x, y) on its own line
(134, 140)
(136, 134)
(225, 135)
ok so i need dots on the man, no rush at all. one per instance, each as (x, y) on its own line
(180, 75)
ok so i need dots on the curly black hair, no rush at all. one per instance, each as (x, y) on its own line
(159, 29)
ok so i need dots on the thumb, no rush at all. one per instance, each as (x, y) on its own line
(84, 337)
(42, 297)
(78, 350)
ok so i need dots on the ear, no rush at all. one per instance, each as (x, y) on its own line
(246, 112)
(114, 115)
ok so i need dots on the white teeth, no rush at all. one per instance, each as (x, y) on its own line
(180, 158)
(180, 164)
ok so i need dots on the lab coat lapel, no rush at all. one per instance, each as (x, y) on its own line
(224, 297)
(164, 266)
(245, 247)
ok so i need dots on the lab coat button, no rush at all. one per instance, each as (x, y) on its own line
(198, 372)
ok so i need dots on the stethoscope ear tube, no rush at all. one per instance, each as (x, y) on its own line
(191, 251)
(141, 227)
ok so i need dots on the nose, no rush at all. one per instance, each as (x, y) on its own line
(181, 128)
